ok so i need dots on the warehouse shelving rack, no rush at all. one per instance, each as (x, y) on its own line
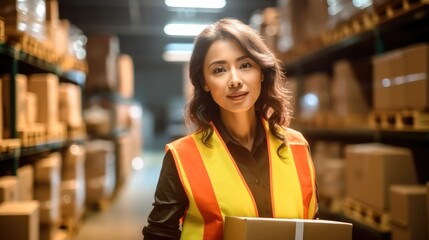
(13, 60)
(399, 23)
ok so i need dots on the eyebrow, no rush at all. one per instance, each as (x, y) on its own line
(223, 61)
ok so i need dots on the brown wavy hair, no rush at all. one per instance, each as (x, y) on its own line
(273, 103)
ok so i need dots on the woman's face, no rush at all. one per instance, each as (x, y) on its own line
(232, 77)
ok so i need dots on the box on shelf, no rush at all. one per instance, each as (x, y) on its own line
(102, 56)
(31, 108)
(25, 183)
(24, 16)
(371, 168)
(348, 97)
(126, 75)
(301, 21)
(70, 107)
(46, 87)
(100, 170)
(72, 199)
(20, 100)
(8, 189)
(247, 228)
(47, 187)
(73, 166)
(408, 212)
(48, 169)
(19, 220)
(417, 76)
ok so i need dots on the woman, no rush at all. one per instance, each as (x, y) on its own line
(242, 160)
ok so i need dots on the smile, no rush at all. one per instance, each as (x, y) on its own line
(237, 96)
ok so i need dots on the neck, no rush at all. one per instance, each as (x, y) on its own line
(241, 127)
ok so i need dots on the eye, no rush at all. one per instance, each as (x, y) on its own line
(246, 65)
(218, 69)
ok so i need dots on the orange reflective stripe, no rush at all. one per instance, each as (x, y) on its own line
(304, 174)
(202, 192)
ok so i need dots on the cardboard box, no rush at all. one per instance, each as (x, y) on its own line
(408, 212)
(49, 199)
(19, 220)
(381, 83)
(31, 108)
(102, 56)
(25, 183)
(371, 168)
(73, 167)
(101, 155)
(126, 75)
(20, 102)
(389, 81)
(416, 58)
(70, 104)
(46, 87)
(48, 170)
(72, 199)
(247, 228)
(8, 188)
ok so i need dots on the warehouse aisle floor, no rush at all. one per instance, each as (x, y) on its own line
(125, 217)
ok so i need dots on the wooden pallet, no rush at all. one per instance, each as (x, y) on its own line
(369, 19)
(10, 146)
(332, 204)
(406, 119)
(76, 132)
(33, 135)
(32, 47)
(71, 226)
(366, 215)
(56, 132)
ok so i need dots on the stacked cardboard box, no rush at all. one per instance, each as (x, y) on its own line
(8, 189)
(70, 104)
(19, 220)
(125, 76)
(102, 55)
(372, 168)
(24, 16)
(100, 170)
(25, 176)
(46, 87)
(72, 200)
(408, 212)
(400, 79)
(47, 179)
(20, 101)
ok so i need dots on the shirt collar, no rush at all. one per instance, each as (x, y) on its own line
(227, 138)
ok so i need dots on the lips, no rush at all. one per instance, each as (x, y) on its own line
(237, 95)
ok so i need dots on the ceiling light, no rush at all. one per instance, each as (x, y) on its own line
(184, 29)
(178, 52)
(196, 3)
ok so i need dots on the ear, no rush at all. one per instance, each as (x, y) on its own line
(205, 87)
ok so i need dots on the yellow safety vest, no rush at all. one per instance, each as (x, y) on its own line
(216, 188)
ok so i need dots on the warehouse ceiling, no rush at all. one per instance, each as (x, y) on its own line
(139, 23)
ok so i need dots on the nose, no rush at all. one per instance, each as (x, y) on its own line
(235, 80)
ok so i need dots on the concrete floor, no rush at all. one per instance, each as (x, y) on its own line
(127, 214)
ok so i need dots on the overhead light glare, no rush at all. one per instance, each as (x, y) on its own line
(196, 3)
(178, 52)
(184, 29)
